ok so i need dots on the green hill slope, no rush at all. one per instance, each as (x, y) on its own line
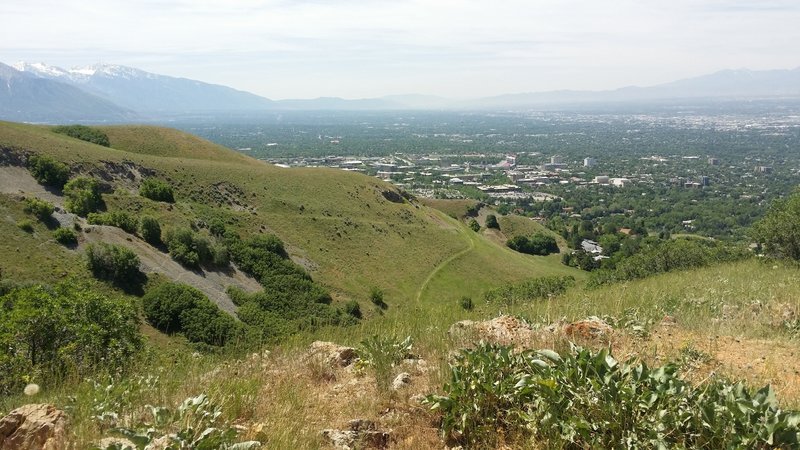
(350, 231)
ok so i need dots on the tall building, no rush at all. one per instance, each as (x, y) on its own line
(589, 162)
(713, 161)
(704, 181)
(555, 159)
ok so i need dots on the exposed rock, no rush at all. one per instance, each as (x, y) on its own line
(401, 380)
(392, 196)
(33, 427)
(360, 433)
(417, 366)
(331, 354)
(591, 328)
(505, 330)
(120, 443)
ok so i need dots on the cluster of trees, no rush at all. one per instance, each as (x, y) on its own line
(114, 263)
(41, 338)
(119, 219)
(538, 244)
(177, 308)
(194, 250)
(84, 133)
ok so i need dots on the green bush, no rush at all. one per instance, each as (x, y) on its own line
(178, 308)
(353, 308)
(65, 236)
(661, 256)
(119, 219)
(474, 225)
(466, 303)
(150, 230)
(382, 353)
(113, 262)
(42, 209)
(535, 289)
(194, 250)
(539, 244)
(83, 195)
(84, 133)
(586, 399)
(491, 222)
(376, 297)
(48, 333)
(157, 190)
(48, 171)
(25, 225)
(779, 230)
(217, 228)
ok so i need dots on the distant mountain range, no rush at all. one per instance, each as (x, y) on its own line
(37, 92)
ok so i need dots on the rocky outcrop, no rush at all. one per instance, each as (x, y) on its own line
(331, 354)
(504, 330)
(589, 329)
(33, 427)
(360, 433)
(402, 380)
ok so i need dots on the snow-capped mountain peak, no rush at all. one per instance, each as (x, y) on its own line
(40, 69)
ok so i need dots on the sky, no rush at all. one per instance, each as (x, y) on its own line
(371, 48)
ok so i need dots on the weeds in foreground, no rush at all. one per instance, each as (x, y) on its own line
(587, 399)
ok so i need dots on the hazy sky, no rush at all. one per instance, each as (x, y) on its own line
(367, 48)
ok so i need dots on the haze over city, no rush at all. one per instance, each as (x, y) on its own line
(354, 49)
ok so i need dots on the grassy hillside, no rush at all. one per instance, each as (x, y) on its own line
(349, 230)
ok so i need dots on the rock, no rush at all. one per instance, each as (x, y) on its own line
(505, 330)
(417, 366)
(591, 328)
(401, 380)
(120, 443)
(33, 427)
(332, 354)
(360, 433)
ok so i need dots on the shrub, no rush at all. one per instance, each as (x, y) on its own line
(376, 297)
(491, 222)
(40, 336)
(586, 399)
(25, 225)
(150, 230)
(83, 195)
(382, 353)
(539, 244)
(65, 236)
(217, 228)
(84, 133)
(178, 308)
(474, 225)
(113, 262)
(353, 308)
(466, 303)
(535, 289)
(157, 190)
(48, 171)
(42, 209)
(119, 219)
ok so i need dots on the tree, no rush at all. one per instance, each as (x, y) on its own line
(48, 171)
(83, 195)
(84, 133)
(474, 225)
(150, 230)
(40, 333)
(178, 308)
(113, 262)
(157, 190)
(491, 222)
(779, 230)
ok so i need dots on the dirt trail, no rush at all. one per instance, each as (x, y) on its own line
(17, 180)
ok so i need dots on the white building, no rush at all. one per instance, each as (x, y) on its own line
(555, 159)
(589, 162)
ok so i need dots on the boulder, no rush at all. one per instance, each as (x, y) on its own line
(504, 330)
(33, 427)
(331, 354)
(401, 380)
(360, 433)
(591, 328)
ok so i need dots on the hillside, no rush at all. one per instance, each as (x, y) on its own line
(351, 231)
(447, 290)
